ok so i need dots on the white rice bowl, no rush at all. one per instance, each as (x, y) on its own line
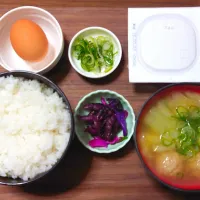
(35, 127)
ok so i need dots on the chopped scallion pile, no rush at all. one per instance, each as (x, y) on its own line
(95, 54)
(186, 138)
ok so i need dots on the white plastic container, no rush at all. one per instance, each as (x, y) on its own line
(9, 58)
(163, 44)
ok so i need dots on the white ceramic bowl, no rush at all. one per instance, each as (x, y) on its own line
(8, 57)
(95, 31)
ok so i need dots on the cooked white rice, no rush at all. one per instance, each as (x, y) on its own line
(34, 127)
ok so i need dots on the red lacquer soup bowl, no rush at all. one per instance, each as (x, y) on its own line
(180, 185)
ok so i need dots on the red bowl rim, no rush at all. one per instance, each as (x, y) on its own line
(144, 107)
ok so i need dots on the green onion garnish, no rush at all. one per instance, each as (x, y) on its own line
(95, 54)
(166, 139)
(187, 141)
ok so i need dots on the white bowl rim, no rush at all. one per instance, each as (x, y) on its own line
(98, 28)
(59, 54)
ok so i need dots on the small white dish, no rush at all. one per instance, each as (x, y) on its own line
(94, 32)
(9, 58)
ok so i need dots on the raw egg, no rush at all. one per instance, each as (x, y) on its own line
(28, 40)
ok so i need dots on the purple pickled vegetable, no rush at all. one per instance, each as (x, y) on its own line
(87, 118)
(103, 101)
(121, 118)
(104, 121)
(92, 113)
(110, 112)
(116, 140)
(100, 114)
(91, 130)
(94, 106)
(94, 128)
(115, 104)
(111, 120)
(98, 142)
(97, 125)
(126, 113)
(108, 131)
(116, 127)
(109, 136)
(119, 112)
(104, 113)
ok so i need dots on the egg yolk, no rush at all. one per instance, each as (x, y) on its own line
(28, 40)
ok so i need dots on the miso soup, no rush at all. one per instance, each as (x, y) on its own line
(168, 137)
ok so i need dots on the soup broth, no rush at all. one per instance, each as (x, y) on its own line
(169, 138)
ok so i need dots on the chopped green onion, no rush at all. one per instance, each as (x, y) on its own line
(123, 138)
(182, 112)
(95, 54)
(106, 46)
(188, 132)
(108, 69)
(108, 60)
(186, 136)
(166, 139)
